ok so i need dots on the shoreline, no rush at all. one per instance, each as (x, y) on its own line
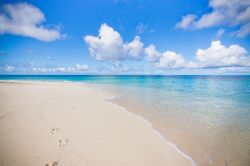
(141, 118)
(108, 97)
(158, 133)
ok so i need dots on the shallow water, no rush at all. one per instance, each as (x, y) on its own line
(207, 117)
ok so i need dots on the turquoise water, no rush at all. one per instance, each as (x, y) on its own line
(208, 117)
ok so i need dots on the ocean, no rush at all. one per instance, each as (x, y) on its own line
(207, 117)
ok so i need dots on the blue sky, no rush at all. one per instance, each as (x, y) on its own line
(137, 37)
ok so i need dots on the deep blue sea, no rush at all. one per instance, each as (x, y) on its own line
(207, 117)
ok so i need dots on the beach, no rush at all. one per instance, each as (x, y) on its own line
(55, 123)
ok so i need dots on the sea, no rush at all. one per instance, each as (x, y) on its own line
(206, 117)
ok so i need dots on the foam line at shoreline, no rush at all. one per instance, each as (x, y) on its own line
(112, 96)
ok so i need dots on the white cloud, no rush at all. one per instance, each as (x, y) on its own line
(166, 60)
(152, 55)
(216, 56)
(135, 48)
(171, 60)
(210, 19)
(186, 21)
(8, 68)
(83, 67)
(26, 20)
(243, 31)
(78, 68)
(109, 45)
(234, 70)
(231, 13)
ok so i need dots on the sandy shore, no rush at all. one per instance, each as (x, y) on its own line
(73, 125)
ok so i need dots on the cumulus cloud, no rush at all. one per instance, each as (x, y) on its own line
(152, 55)
(165, 60)
(109, 46)
(135, 48)
(216, 56)
(171, 60)
(25, 20)
(233, 13)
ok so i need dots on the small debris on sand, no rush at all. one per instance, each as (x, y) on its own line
(54, 130)
(52, 163)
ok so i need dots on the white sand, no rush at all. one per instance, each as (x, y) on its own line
(73, 125)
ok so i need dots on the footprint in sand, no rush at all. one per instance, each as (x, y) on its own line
(52, 163)
(52, 131)
(63, 142)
